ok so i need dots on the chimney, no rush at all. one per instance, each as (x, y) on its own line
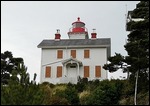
(57, 35)
(93, 35)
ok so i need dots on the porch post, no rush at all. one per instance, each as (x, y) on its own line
(78, 69)
(65, 75)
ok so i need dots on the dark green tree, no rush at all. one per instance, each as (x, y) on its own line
(18, 90)
(70, 94)
(8, 64)
(116, 62)
(107, 93)
(137, 47)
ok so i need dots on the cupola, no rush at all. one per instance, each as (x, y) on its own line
(78, 30)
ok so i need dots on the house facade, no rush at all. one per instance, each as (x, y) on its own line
(65, 60)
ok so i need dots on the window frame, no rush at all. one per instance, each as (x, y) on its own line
(86, 53)
(73, 53)
(59, 71)
(47, 72)
(98, 71)
(59, 54)
(86, 71)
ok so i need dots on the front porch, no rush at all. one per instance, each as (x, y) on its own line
(71, 69)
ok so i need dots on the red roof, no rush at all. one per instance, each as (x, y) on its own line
(78, 21)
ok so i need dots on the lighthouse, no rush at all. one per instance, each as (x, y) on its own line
(66, 60)
(78, 30)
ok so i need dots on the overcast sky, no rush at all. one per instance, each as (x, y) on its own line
(24, 24)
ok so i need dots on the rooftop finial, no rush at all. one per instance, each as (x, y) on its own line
(94, 30)
(78, 18)
(58, 30)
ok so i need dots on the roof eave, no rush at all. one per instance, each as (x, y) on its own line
(77, 46)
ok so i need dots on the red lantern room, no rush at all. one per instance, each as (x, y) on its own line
(78, 29)
(78, 26)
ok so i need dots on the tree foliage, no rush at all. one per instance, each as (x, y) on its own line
(21, 91)
(116, 63)
(107, 93)
(70, 94)
(8, 64)
(137, 46)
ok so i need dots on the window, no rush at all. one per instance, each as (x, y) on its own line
(86, 53)
(86, 71)
(59, 54)
(73, 53)
(59, 71)
(48, 72)
(97, 71)
(73, 66)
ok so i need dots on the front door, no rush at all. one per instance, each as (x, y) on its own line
(72, 70)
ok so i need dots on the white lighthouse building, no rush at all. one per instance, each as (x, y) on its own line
(65, 60)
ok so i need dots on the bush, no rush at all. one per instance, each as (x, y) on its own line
(84, 96)
(107, 93)
(70, 94)
(55, 100)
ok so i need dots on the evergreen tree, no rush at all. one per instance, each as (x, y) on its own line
(8, 64)
(137, 46)
(17, 90)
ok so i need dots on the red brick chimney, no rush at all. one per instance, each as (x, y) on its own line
(93, 35)
(57, 35)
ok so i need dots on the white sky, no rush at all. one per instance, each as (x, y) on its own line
(24, 24)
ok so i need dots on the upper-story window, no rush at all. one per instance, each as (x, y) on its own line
(59, 54)
(86, 53)
(78, 25)
(73, 53)
(73, 65)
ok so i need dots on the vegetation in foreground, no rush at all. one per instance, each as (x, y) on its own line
(17, 89)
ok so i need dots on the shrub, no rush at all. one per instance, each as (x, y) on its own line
(56, 100)
(84, 96)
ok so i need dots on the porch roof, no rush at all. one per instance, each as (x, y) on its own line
(71, 60)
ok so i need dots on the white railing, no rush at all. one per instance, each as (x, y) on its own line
(86, 30)
(67, 80)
